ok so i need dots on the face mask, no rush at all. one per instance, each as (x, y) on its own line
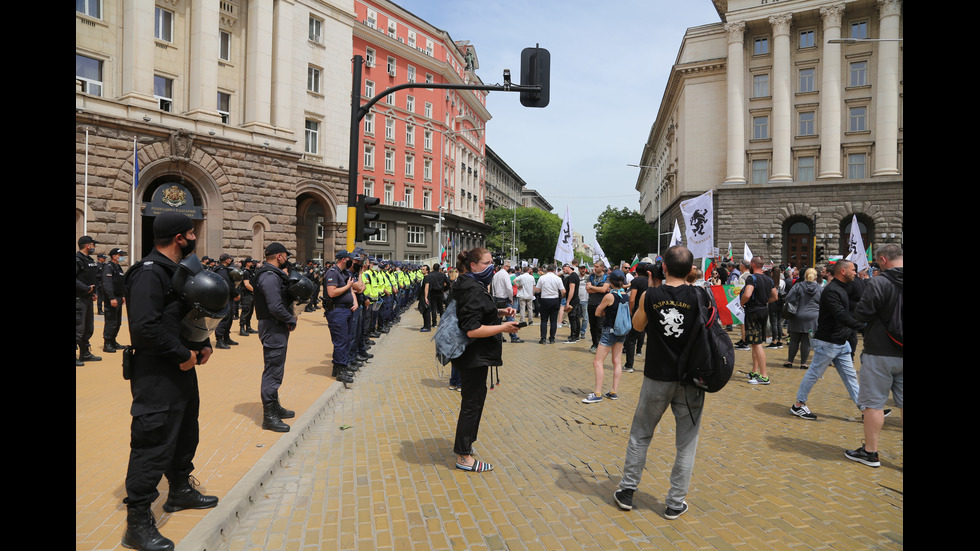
(484, 277)
(187, 249)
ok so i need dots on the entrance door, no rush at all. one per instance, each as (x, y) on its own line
(799, 245)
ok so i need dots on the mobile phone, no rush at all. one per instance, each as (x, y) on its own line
(522, 324)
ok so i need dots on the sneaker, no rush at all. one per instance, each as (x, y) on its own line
(759, 380)
(742, 345)
(592, 399)
(551, 341)
(628, 370)
(570, 341)
(773, 345)
(884, 413)
(753, 375)
(624, 498)
(593, 349)
(611, 395)
(802, 411)
(542, 341)
(671, 514)
(862, 456)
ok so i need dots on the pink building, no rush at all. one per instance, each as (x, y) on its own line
(421, 148)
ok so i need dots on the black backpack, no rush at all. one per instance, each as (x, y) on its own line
(709, 359)
(893, 323)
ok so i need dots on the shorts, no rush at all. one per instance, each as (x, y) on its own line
(608, 338)
(878, 376)
(755, 327)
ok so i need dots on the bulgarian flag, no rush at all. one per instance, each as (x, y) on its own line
(636, 260)
(723, 295)
(445, 250)
(708, 265)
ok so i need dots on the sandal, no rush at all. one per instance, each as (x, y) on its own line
(477, 467)
(788, 364)
(804, 366)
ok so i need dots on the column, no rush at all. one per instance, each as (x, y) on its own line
(282, 66)
(736, 104)
(830, 94)
(782, 113)
(137, 57)
(886, 108)
(258, 65)
(202, 78)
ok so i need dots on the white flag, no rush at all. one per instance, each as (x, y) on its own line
(564, 251)
(699, 223)
(747, 254)
(858, 255)
(675, 238)
(598, 255)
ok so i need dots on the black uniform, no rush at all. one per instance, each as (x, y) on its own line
(247, 302)
(166, 402)
(86, 277)
(223, 332)
(276, 319)
(114, 289)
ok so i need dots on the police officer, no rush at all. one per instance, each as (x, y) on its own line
(245, 292)
(222, 334)
(86, 278)
(273, 308)
(114, 290)
(100, 301)
(340, 303)
(358, 354)
(163, 380)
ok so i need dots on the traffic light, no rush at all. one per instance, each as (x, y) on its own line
(819, 255)
(362, 230)
(535, 71)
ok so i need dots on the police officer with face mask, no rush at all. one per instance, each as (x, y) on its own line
(86, 279)
(273, 308)
(114, 290)
(246, 294)
(163, 379)
(340, 303)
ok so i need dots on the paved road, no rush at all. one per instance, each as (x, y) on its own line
(763, 478)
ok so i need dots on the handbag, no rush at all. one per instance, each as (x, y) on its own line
(789, 309)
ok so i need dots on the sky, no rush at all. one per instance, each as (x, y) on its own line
(610, 62)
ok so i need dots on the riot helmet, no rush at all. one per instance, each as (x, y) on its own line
(205, 293)
(300, 287)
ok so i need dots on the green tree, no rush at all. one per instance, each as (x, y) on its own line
(537, 232)
(623, 234)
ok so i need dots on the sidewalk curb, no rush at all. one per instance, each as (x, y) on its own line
(209, 532)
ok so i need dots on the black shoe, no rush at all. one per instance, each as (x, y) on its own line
(109, 347)
(221, 344)
(671, 514)
(141, 532)
(863, 456)
(283, 412)
(79, 363)
(542, 341)
(183, 495)
(516, 340)
(271, 420)
(87, 356)
(244, 332)
(229, 341)
(551, 340)
(624, 498)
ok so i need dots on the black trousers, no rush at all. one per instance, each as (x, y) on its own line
(84, 321)
(574, 323)
(595, 328)
(473, 397)
(549, 316)
(113, 319)
(248, 308)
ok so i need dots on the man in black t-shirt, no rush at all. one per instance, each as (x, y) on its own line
(667, 313)
(433, 286)
(572, 282)
(634, 342)
(755, 297)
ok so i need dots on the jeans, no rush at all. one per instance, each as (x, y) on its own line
(583, 315)
(686, 402)
(825, 353)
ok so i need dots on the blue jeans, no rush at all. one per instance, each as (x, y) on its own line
(825, 353)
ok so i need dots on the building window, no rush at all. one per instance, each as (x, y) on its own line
(410, 135)
(806, 124)
(382, 235)
(428, 110)
(389, 166)
(411, 38)
(760, 86)
(805, 169)
(312, 137)
(429, 47)
(859, 73)
(859, 29)
(427, 170)
(389, 194)
(392, 28)
(163, 91)
(163, 26)
(369, 188)
(313, 79)
(224, 107)
(856, 163)
(390, 98)
(807, 80)
(427, 200)
(91, 8)
(416, 235)
(761, 46)
(368, 89)
(410, 104)
(429, 78)
(316, 30)
(411, 73)
(369, 124)
(391, 66)
(88, 72)
(369, 57)
(372, 19)
(224, 45)
(390, 129)
(857, 119)
(409, 197)
(760, 127)
(427, 140)
(760, 171)
(368, 159)
(409, 165)
(807, 39)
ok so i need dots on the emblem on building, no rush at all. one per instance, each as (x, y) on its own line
(174, 196)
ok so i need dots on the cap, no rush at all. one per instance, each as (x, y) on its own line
(85, 240)
(114, 252)
(342, 254)
(223, 257)
(100, 255)
(617, 274)
(170, 224)
(276, 248)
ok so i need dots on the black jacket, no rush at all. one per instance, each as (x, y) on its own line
(877, 303)
(835, 322)
(475, 307)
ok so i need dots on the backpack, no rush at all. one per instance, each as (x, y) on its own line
(450, 339)
(623, 323)
(893, 323)
(709, 359)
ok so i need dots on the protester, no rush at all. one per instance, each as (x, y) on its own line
(607, 311)
(776, 309)
(757, 292)
(597, 285)
(551, 288)
(806, 296)
(525, 296)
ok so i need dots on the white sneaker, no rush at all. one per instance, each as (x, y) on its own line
(592, 399)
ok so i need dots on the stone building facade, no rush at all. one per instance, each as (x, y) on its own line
(792, 113)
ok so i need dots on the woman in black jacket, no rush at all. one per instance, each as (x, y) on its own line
(479, 318)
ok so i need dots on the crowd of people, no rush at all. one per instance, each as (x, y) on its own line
(363, 298)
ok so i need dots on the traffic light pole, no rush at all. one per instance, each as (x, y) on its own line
(359, 111)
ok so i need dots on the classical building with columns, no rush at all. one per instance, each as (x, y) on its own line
(233, 111)
(791, 113)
